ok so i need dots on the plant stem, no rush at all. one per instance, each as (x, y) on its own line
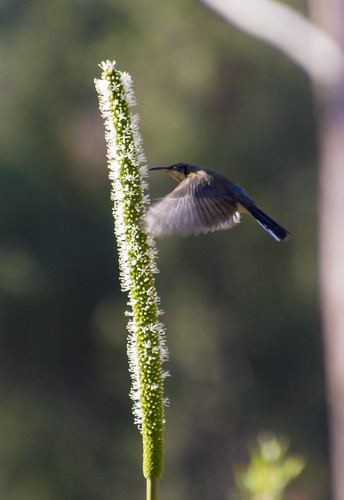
(152, 489)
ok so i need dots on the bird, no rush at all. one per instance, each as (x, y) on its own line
(204, 201)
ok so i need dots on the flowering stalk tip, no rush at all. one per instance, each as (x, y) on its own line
(146, 344)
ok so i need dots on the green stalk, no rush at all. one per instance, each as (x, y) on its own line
(146, 342)
(152, 492)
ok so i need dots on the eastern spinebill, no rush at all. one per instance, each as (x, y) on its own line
(204, 201)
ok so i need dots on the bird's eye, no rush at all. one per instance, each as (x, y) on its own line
(180, 167)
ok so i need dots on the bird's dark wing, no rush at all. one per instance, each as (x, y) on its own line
(194, 206)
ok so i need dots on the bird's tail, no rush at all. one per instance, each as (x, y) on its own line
(274, 229)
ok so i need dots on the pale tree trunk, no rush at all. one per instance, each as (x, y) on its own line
(330, 15)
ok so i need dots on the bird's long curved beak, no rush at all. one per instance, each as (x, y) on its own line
(158, 168)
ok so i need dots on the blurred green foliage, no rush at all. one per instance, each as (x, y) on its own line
(270, 469)
(241, 310)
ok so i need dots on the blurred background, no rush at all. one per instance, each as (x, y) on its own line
(241, 310)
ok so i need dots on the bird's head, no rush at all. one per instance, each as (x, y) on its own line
(179, 171)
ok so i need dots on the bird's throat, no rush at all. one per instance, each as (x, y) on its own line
(177, 176)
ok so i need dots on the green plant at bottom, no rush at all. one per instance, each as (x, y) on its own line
(270, 470)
